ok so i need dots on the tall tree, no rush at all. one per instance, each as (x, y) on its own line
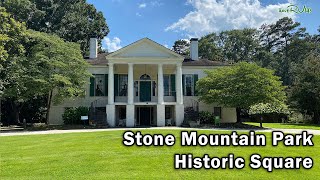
(181, 46)
(276, 38)
(305, 92)
(50, 67)
(241, 86)
(239, 45)
(72, 20)
(209, 47)
(11, 37)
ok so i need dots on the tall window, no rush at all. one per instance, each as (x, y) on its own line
(189, 85)
(123, 84)
(99, 84)
(167, 85)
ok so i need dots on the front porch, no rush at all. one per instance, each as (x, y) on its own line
(146, 115)
(144, 75)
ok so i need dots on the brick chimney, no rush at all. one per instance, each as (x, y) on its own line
(194, 49)
(93, 48)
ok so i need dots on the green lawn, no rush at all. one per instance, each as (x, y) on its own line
(286, 126)
(101, 155)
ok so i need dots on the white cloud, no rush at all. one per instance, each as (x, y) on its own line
(166, 45)
(143, 5)
(214, 16)
(138, 14)
(111, 44)
(156, 3)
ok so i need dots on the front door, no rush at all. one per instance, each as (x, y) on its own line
(145, 116)
(145, 91)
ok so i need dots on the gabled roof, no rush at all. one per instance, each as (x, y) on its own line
(146, 48)
(124, 52)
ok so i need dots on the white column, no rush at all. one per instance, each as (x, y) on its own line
(130, 84)
(130, 106)
(111, 108)
(179, 114)
(160, 84)
(110, 85)
(179, 89)
(161, 120)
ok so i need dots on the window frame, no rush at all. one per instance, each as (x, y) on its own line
(192, 84)
(103, 90)
(169, 85)
(120, 76)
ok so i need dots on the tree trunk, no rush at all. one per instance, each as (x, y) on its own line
(238, 115)
(16, 112)
(49, 106)
(261, 119)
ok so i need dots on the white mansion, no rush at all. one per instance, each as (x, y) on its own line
(144, 84)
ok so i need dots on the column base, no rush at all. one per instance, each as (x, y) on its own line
(161, 120)
(130, 116)
(111, 115)
(179, 114)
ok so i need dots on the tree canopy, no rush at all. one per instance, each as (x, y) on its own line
(35, 64)
(11, 37)
(50, 67)
(305, 92)
(182, 47)
(72, 20)
(241, 85)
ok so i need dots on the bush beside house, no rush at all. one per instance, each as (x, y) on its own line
(72, 116)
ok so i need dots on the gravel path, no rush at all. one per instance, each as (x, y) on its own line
(21, 133)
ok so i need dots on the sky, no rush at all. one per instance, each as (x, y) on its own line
(166, 21)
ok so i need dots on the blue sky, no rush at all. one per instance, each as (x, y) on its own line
(168, 20)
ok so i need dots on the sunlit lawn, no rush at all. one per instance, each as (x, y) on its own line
(286, 126)
(101, 155)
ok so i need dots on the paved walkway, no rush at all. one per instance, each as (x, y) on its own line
(21, 133)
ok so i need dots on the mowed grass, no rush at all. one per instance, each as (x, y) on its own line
(286, 126)
(101, 155)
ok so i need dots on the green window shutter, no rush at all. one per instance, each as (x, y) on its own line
(91, 86)
(106, 85)
(183, 84)
(173, 84)
(116, 85)
(195, 79)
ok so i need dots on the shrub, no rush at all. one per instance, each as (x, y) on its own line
(267, 108)
(206, 117)
(297, 118)
(73, 115)
(269, 112)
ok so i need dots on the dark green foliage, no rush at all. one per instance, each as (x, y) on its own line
(11, 39)
(73, 115)
(206, 117)
(210, 47)
(305, 92)
(182, 47)
(72, 20)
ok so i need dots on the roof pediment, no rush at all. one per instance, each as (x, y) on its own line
(145, 48)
